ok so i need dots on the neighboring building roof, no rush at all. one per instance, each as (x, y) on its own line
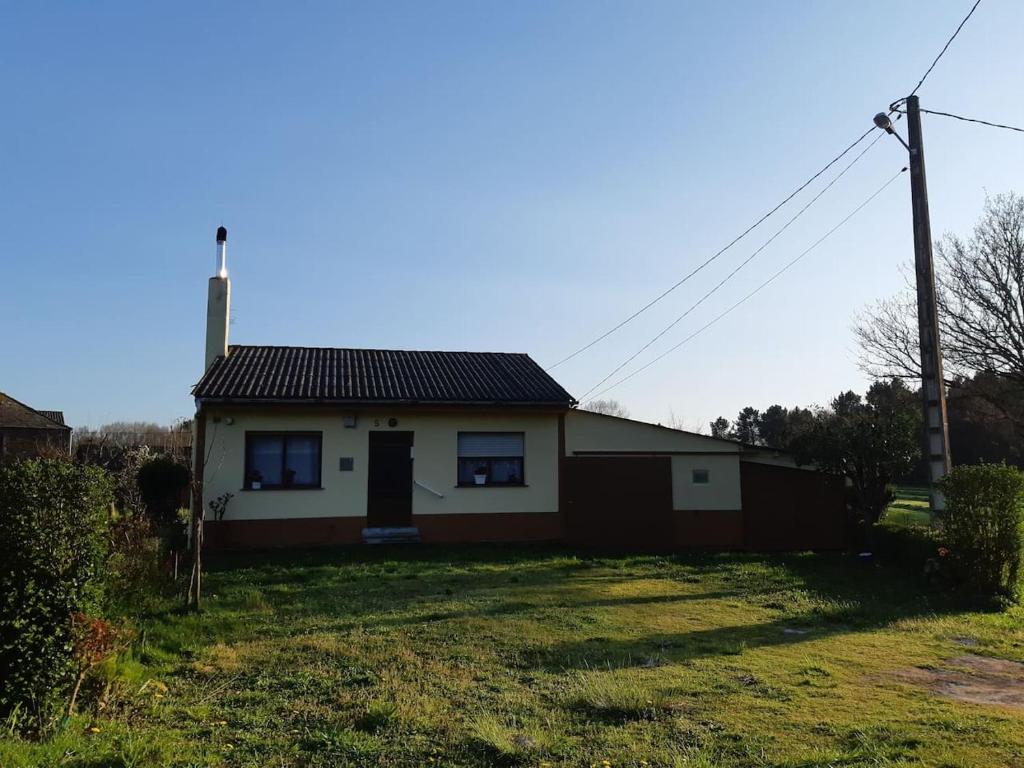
(15, 414)
(363, 376)
(56, 416)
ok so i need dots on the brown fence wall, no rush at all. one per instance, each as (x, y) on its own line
(791, 509)
(625, 503)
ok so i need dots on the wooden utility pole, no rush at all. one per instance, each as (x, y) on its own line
(933, 388)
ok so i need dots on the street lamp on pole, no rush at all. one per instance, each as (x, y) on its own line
(882, 121)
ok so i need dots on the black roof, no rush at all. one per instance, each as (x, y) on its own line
(14, 413)
(357, 376)
(55, 416)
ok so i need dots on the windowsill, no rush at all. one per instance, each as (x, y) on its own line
(300, 488)
(493, 485)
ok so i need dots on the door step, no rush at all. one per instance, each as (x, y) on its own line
(410, 535)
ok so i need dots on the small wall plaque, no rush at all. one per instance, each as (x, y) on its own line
(346, 463)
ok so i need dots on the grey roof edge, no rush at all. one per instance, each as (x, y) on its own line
(748, 447)
(301, 347)
(547, 404)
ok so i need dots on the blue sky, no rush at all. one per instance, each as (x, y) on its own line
(479, 175)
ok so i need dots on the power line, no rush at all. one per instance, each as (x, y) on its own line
(757, 290)
(701, 266)
(974, 120)
(655, 300)
(946, 47)
(740, 266)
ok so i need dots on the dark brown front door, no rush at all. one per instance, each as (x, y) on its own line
(389, 502)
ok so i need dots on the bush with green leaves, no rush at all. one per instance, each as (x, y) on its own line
(981, 526)
(134, 578)
(53, 542)
(163, 483)
(908, 547)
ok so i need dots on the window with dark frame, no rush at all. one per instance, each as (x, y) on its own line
(491, 459)
(701, 476)
(282, 460)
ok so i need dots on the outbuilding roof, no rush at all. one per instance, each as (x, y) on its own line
(15, 414)
(365, 376)
(54, 416)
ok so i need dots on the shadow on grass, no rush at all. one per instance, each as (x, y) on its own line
(370, 589)
(601, 652)
(852, 598)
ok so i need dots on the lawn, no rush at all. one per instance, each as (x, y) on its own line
(910, 507)
(506, 656)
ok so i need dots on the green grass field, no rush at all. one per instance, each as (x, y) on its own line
(505, 656)
(910, 507)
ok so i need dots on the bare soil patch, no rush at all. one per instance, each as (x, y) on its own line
(971, 678)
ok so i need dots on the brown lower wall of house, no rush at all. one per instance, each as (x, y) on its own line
(280, 533)
(512, 526)
(27, 443)
(333, 531)
(708, 529)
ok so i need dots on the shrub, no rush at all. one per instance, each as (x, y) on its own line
(133, 578)
(125, 474)
(53, 519)
(163, 483)
(93, 641)
(905, 546)
(981, 525)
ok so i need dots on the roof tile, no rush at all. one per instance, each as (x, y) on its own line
(323, 374)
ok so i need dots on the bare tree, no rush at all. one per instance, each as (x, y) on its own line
(110, 441)
(887, 336)
(982, 287)
(980, 291)
(608, 407)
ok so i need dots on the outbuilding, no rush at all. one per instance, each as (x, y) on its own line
(27, 432)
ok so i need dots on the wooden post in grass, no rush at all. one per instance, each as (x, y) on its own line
(195, 584)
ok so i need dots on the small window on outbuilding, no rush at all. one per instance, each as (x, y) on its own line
(701, 477)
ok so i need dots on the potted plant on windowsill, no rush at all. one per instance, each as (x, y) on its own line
(480, 475)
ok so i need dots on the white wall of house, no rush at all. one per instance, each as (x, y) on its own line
(344, 493)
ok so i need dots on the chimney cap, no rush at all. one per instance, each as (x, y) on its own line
(222, 234)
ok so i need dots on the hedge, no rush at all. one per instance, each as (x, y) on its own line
(981, 526)
(53, 540)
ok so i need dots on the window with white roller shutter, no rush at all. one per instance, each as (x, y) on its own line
(497, 457)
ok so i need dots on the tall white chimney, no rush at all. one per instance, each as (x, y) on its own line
(218, 304)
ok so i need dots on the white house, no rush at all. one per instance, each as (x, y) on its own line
(318, 446)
